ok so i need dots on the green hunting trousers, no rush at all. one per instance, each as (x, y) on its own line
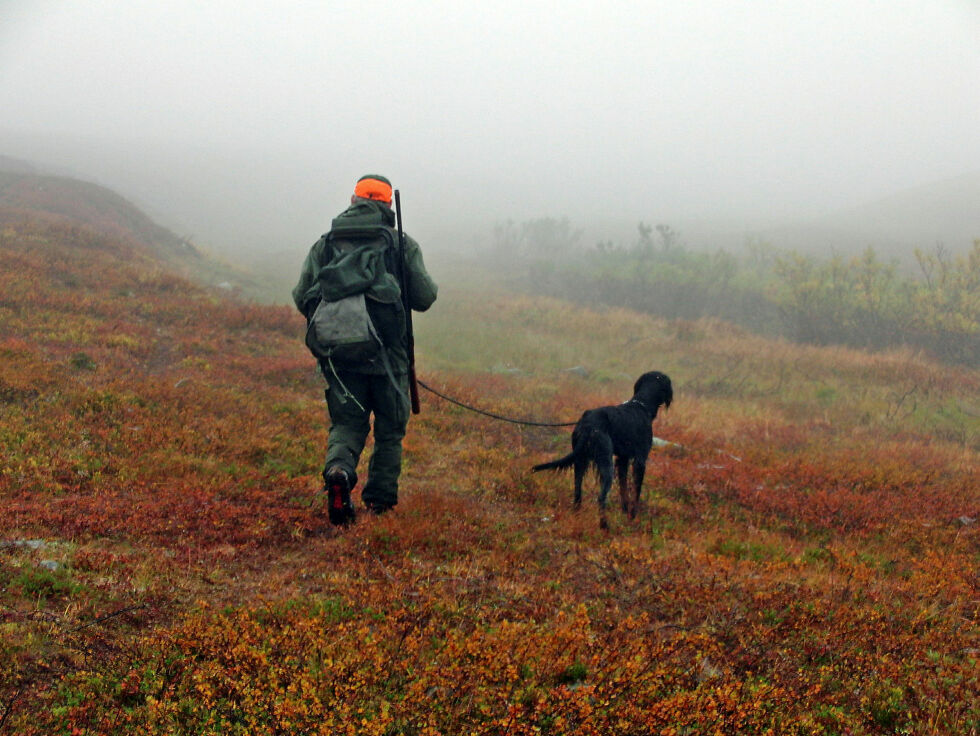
(351, 399)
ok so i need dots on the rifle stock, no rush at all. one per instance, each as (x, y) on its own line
(404, 278)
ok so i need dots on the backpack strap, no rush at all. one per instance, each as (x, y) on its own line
(391, 374)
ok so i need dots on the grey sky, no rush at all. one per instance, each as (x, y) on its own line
(513, 108)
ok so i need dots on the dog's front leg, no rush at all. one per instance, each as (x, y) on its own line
(639, 469)
(622, 472)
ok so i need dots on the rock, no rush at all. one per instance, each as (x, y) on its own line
(708, 671)
(32, 544)
(52, 565)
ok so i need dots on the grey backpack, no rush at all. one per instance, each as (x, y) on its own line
(341, 328)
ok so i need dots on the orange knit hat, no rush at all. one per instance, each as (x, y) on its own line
(373, 186)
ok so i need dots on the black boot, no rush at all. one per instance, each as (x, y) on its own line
(337, 487)
(378, 508)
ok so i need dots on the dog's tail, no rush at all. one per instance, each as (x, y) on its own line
(560, 464)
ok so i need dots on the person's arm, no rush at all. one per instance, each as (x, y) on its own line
(422, 289)
(306, 293)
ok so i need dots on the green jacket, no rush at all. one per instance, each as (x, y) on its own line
(388, 318)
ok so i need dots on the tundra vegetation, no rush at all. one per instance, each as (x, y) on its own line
(806, 564)
(931, 302)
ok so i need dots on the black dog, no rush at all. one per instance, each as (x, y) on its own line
(623, 432)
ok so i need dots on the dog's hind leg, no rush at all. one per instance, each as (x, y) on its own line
(581, 465)
(581, 456)
(603, 456)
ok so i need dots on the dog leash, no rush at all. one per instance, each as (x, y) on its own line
(657, 442)
(491, 414)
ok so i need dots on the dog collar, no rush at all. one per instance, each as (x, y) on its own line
(637, 401)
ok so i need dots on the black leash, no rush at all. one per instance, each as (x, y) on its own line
(491, 414)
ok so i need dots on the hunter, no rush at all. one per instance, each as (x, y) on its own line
(360, 387)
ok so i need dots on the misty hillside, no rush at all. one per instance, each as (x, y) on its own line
(16, 165)
(946, 212)
(83, 203)
(26, 196)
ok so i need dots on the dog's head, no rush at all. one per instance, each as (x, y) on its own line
(654, 389)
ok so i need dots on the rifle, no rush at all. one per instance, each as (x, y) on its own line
(403, 277)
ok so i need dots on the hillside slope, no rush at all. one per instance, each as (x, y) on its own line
(806, 565)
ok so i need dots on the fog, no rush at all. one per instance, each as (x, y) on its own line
(245, 124)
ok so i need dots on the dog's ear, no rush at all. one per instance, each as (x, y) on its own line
(667, 388)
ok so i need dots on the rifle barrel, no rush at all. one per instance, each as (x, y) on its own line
(413, 383)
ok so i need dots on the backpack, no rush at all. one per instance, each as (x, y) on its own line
(359, 269)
